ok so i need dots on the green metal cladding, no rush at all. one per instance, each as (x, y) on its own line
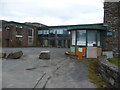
(96, 27)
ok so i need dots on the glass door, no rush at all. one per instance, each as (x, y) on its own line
(91, 38)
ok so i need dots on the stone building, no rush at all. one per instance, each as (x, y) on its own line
(112, 21)
(16, 34)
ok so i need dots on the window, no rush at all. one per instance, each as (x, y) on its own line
(40, 32)
(52, 31)
(30, 32)
(60, 31)
(81, 37)
(91, 38)
(19, 31)
(46, 31)
(65, 32)
(43, 31)
(73, 37)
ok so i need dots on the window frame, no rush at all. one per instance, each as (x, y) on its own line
(84, 38)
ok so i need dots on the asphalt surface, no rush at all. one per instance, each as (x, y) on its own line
(31, 72)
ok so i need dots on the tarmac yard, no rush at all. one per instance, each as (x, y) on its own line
(31, 72)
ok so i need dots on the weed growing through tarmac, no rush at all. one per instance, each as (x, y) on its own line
(95, 77)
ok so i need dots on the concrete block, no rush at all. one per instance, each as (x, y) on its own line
(44, 55)
(15, 55)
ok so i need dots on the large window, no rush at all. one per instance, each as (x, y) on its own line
(73, 37)
(40, 31)
(30, 32)
(91, 38)
(46, 32)
(43, 32)
(81, 37)
(52, 31)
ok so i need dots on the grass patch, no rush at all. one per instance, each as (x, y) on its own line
(115, 61)
(95, 77)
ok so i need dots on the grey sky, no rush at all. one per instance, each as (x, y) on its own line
(52, 12)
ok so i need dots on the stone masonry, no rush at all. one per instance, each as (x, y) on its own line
(112, 21)
(109, 72)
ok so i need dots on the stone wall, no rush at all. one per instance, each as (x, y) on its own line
(109, 72)
(0, 35)
(112, 21)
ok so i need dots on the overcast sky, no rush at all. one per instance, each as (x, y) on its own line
(52, 12)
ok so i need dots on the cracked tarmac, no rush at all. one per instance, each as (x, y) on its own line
(32, 72)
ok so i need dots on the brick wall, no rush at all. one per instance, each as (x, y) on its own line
(112, 21)
(9, 36)
(25, 36)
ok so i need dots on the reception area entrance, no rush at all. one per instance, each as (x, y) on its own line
(87, 40)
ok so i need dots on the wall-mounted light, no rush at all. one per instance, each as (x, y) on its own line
(7, 28)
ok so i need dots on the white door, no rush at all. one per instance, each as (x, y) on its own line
(91, 52)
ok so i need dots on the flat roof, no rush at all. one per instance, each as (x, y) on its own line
(98, 26)
(88, 27)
